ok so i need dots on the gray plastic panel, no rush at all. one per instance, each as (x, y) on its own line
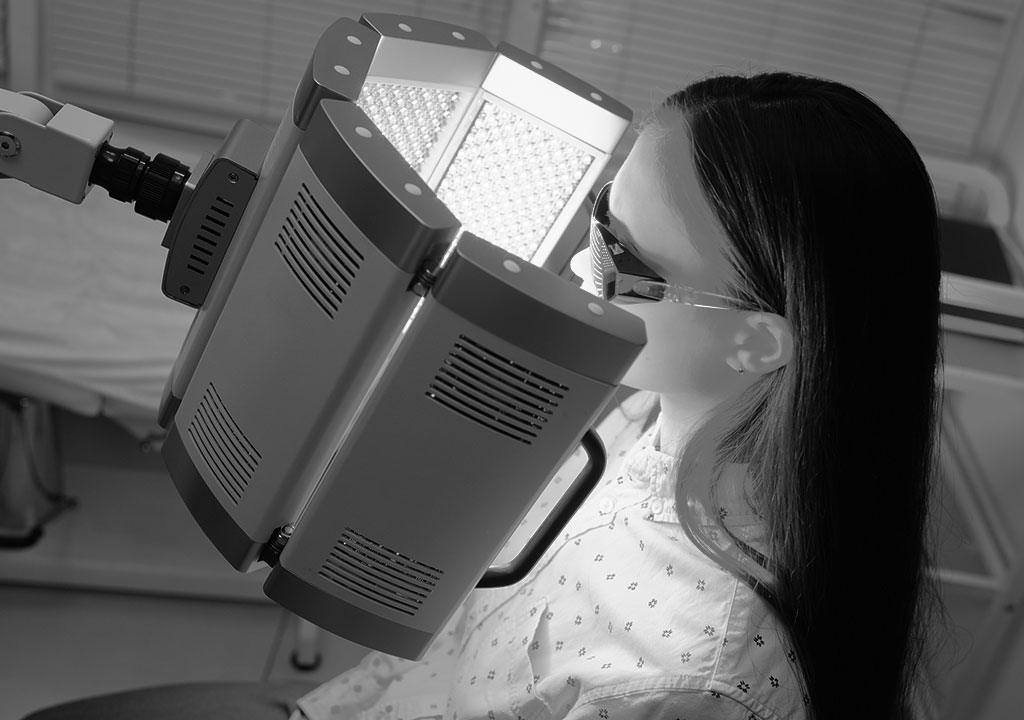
(277, 159)
(286, 373)
(570, 82)
(214, 520)
(407, 27)
(429, 52)
(539, 311)
(344, 619)
(205, 231)
(375, 187)
(456, 394)
(337, 68)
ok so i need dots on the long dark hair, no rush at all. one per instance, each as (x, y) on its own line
(832, 223)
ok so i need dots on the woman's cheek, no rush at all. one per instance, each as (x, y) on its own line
(680, 351)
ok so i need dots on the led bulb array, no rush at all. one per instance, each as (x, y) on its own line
(511, 178)
(411, 118)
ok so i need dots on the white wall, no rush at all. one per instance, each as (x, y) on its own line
(998, 423)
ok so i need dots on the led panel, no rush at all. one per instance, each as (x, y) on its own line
(412, 118)
(511, 178)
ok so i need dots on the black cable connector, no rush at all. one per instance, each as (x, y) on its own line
(128, 174)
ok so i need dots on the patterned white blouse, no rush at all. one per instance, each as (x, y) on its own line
(622, 618)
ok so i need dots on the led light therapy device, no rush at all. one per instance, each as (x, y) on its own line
(380, 378)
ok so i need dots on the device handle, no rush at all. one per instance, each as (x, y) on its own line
(517, 569)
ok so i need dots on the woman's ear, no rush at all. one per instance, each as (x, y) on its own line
(764, 343)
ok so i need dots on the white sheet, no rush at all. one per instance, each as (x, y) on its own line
(83, 321)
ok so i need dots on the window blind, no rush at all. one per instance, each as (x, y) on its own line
(204, 65)
(931, 64)
(4, 60)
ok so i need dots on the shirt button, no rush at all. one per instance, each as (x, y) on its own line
(657, 506)
(606, 506)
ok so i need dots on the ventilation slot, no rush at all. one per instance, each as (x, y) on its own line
(379, 574)
(495, 392)
(208, 238)
(322, 259)
(227, 451)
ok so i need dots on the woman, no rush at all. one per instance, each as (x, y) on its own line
(823, 209)
(759, 551)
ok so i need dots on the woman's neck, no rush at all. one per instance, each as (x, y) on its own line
(681, 415)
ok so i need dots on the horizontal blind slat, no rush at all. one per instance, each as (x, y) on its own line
(3, 43)
(228, 57)
(929, 63)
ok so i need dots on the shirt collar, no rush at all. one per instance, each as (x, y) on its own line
(647, 468)
(653, 472)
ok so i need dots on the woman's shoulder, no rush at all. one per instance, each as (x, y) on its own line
(758, 665)
(671, 698)
(633, 601)
(710, 660)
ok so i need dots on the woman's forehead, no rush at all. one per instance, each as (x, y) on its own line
(658, 200)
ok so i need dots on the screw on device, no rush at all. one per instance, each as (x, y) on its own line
(10, 146)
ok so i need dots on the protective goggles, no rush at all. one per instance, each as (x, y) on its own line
(620, 275)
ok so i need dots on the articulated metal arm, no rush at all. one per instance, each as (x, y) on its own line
(63, 150)
(50, 146)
